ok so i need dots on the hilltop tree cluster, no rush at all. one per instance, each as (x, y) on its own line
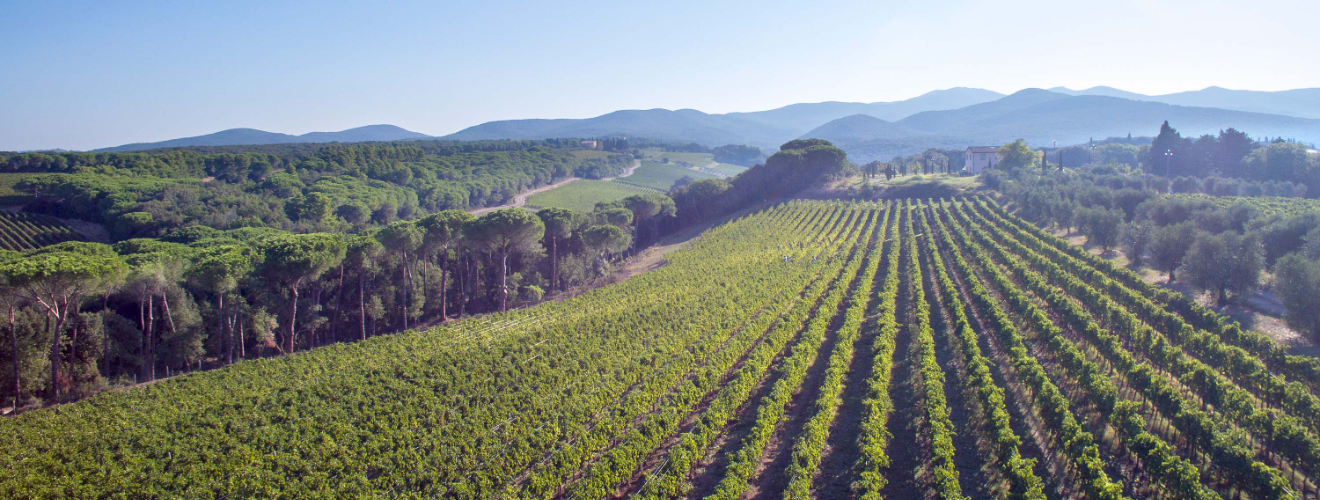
(798, 165)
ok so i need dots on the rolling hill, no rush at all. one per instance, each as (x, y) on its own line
(867, 138)
(951, 118)
(806, 116)
(765, 129)
(1041, 117)
(246, 136)
(684, 125)
(1301, 103)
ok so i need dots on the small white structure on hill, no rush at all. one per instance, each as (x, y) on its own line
(980, 158)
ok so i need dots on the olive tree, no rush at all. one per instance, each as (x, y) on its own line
(1227, 263)
(1297, 282)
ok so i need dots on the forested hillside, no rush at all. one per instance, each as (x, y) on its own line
(294, 187)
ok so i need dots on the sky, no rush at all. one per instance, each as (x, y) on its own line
(84, 75)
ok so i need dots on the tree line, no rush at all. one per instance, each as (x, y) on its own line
(85, 316)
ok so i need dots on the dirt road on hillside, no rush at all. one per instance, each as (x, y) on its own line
(520, 199)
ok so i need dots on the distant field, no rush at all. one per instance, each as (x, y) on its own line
(695, 159)
(582, 195)
(588, 154)
(727, 169)
(958, 181)
(8, 196)
(661, 176)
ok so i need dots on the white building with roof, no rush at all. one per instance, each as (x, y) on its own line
(979, 158)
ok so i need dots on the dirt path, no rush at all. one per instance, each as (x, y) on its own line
(520, 199)
(904, 445)
(962, 401)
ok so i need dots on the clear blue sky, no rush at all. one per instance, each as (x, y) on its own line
(82, 75)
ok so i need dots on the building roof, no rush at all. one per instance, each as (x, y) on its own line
(983, 149)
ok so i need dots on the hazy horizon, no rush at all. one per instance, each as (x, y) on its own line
(92, 76)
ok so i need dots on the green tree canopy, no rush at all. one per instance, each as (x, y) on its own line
(506, 231)
(1017, 154)
(606, 239)
(1297, 282)
(1227, 263)
(294, 259)
(57, 280)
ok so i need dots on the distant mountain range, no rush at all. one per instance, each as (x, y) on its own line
(765, 129)
(950, 118)
(1301, 103)
(236, 136)
(1042, 118)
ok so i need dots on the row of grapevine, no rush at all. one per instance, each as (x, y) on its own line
(1202, 429)
(1122, 281)
(620, 460)
(1236, 408)
(746, 458)
(1064, 428)
(1219, 358)
(1023, 481)
(939, 430)
(878, 406)
(671, 480)
(809, 446)
(21, 231)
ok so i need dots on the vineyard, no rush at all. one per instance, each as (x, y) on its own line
(915, 349)
(24, 231)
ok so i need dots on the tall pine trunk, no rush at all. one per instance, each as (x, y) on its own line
(55, 357)
(151, 341)
(403, 276)
(462, 284)
(220, 328)
(554, 263)
(362, 300)
(339, 304)
(13, 340)
(504, 280)
(444, 285)
(293, 318)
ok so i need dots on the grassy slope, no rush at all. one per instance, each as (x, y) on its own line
(727, 169)
(8, 196)
(582, 195)
(661, 176)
